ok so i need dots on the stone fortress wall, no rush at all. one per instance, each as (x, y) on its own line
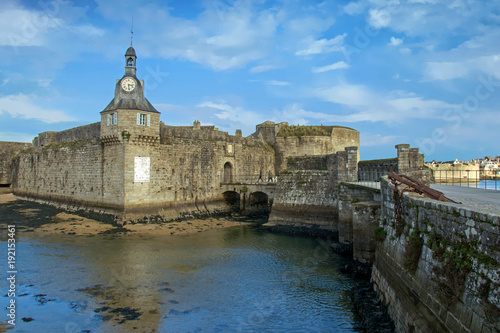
(75, 168)
(437, 268)
(92, 166)
(290, 141)
(73, 134)
(305, 198)
(406, 160)
(8, 151)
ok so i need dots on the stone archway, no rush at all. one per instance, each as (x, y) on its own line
(232, 200)
(258, 203)
(228, 173)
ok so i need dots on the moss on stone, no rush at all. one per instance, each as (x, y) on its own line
(413, 251)
(380, 234)
(305, 131)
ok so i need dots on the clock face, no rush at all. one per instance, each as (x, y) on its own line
(128, 84)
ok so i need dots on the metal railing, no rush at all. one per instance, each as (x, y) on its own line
(371, 178)
(485, 179)
(247, 179)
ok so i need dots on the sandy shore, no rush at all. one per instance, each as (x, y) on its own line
(43, 219)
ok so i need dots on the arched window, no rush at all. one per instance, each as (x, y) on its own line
(228, 173)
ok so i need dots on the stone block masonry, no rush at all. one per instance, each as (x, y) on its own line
(438, 266)
(70, 173)
(186, 171)
(8, 151)
(304, 199)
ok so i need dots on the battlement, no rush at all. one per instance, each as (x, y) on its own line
(204, 133)
(76, 133)
(310, 130)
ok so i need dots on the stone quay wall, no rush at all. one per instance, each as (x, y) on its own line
(437, 268)
(358, 216)
(8, 151)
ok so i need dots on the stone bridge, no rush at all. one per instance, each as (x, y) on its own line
(251, 197)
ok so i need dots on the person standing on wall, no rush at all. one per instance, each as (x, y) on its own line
(270, 177)
(260, 177)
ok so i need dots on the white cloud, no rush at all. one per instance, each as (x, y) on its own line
(405, 50)
(395, 41)
(312, 46)
(366, 105)
(5, 81)
(44, 83)
(369, 139)
(219, 38)
(448, 70)
(233, 117)
(379, 18)
(337, 65)
(277, 83)
(262, 68)
(26, 107)
(309, 25)
(22, 27)
(354, 8)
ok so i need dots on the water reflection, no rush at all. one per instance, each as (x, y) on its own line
(226, 280)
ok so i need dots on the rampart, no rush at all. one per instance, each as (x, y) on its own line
(69, 173)
(407, 160)
(8, 151)
(293, 141)
(207, 133)
(437, 267)
(73, 134)
(305, 199)
(187, 166)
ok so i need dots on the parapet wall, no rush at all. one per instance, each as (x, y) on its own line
(206, 133)
(372, 170)
(73, 134)
(437, 268)
(407, 160)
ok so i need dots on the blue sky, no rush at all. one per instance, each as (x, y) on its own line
(423, 72)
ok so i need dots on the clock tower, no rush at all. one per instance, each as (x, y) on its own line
(130, 138)
(129, 115)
